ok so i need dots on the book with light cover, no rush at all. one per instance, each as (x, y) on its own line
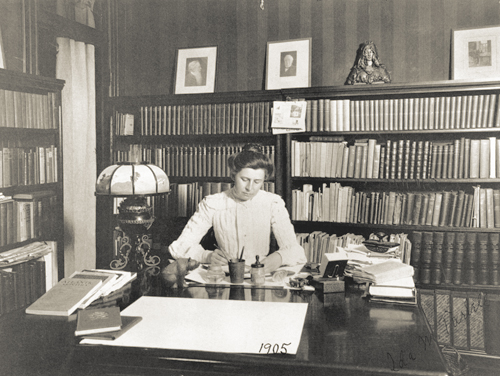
(64, 298)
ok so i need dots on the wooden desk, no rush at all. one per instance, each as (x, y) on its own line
(343, 335)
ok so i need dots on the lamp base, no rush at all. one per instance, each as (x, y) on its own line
(135, 253)
(135, 219)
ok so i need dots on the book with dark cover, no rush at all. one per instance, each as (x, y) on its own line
(458, 257)
(127, 323)
(98, 320)
(470, 265)
(447, 258)
(415, 254)
(437, 253)
(448, 247)
(426, 248)
(8, 290)
(64, 297)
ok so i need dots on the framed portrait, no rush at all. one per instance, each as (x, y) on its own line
(476, 54)
(2, 54)
(195, 70)
(288, 64)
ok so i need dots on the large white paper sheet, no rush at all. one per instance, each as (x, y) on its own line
(230, 326)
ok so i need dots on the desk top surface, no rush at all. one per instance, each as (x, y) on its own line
(343, 334)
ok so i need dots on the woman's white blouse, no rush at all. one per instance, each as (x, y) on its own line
(239, 224)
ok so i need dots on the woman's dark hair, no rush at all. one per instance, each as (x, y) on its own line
(251, 156)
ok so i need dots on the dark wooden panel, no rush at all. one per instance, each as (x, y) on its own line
(413, 37)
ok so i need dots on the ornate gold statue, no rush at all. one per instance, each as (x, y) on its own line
(368, 69)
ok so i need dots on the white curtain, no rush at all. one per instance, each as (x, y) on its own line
(76, 65)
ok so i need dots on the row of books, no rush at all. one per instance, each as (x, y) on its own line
(28, 216)
(26, 273)
(221, 118)
(463, 320)
(398, 159)
(343, 204)
(185, 160)
(390, 114)
(328, 115)
(322, 115)
(28, 166)
(317, 243)
(456, 258)
(79, 291)
(27, 110)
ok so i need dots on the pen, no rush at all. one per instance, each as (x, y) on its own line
(228, 258)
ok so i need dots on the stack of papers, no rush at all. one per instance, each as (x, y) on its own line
(382, 272)
(388, 281)
(25, 253)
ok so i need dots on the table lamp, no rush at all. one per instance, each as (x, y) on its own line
(135, 182)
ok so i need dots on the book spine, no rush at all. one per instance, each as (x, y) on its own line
(438, 242)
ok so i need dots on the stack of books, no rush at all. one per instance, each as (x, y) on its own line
(79, 290)
(389, 281)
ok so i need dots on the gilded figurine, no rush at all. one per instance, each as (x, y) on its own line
(368, 68)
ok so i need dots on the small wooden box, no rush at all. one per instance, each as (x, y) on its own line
(328, 285)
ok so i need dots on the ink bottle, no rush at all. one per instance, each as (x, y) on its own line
(257, 273)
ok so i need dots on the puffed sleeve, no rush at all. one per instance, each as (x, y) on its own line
(289, 249)
(188, 243)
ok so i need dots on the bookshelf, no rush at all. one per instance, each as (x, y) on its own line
(418, 159)
(30, 183)
(190, 137)
(422, 159)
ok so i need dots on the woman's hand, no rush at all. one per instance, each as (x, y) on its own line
(218, 258)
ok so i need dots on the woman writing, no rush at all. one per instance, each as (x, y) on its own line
(242, 217)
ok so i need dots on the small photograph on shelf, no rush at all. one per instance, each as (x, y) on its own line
(2, 54)
(288, 64)
(476, 54)
(195, 71)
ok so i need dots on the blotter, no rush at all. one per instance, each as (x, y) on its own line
(230, 326)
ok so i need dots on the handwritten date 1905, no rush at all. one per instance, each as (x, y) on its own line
(269, 348)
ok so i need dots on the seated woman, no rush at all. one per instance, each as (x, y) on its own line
(242, 217)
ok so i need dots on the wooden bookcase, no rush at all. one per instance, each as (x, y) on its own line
(31, 173)
(430, 137)
(190, 137)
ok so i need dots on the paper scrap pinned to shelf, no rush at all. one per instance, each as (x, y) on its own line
(289, 117)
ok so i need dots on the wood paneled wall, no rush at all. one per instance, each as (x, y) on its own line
(413, 37)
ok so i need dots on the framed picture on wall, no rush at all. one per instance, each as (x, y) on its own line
(2, 54)
(476, 53)
(195, 70)
(288, 64)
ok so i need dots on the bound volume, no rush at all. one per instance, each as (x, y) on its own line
(94, 321)
(65, 297)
